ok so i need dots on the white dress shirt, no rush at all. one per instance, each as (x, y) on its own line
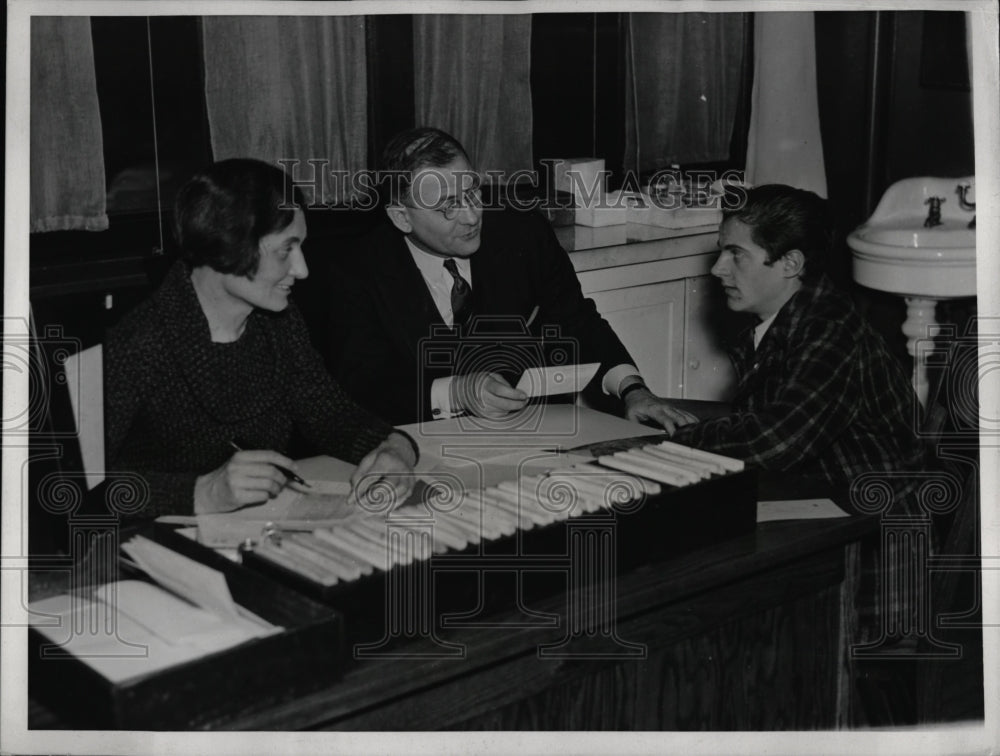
(439, 282)
(761, 328)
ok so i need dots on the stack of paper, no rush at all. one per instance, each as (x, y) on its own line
(537, 426)
(131, 627)
(798, 509)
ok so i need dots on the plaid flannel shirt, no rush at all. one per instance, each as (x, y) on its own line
(820, 396)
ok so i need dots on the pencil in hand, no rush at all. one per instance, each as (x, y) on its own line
(283, 470)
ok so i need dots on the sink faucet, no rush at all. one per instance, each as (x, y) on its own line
(934, 214)
(962, 190)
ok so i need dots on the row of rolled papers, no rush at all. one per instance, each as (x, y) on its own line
(359, 547)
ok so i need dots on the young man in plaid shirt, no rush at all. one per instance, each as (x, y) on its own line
(818, 396)
(818, 392)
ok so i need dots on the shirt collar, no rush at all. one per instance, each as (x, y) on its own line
(761, 328)
(787, 319)
(432, 266)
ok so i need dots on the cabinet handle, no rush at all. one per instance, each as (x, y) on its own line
(694, 364)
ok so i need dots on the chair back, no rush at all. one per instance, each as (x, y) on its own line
(85, 383)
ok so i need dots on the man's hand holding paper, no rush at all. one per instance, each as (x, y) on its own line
(486, 394)
(557, 379)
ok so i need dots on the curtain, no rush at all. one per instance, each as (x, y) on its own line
(784, 144)
(289, 88)
(683, 73)
(67, 148)
(472, 80)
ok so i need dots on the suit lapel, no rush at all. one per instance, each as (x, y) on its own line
(490, 276)
(502, 283)
(410, 306)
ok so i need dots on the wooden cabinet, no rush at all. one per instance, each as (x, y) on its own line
(666, 309)
(649, 320)
(707, 372)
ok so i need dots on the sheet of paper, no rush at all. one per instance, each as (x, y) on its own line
(170, 618)
(193, 581)
(538, 426)
(328, 472)
(133, 628)
(476, 474)
(557, 379)
(798, 509)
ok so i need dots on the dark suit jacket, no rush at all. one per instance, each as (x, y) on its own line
(389, 342)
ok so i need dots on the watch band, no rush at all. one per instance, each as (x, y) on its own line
(631, 387)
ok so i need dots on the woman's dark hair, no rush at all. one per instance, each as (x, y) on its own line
(782, 218)
(223, 211)
(410, 151)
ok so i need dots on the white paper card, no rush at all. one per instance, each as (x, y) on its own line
(196, 582)
(557, 379)
(133, 628)
(798, 509)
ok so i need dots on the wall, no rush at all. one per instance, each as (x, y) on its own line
(930, 117)
(881, 121)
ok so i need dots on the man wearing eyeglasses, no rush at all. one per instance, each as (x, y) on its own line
(445, 274)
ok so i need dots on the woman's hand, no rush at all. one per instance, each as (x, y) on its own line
(389, 464)
(249, 477)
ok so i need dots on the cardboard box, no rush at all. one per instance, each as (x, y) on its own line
(580, 176)
(668, 213)
(610, 209)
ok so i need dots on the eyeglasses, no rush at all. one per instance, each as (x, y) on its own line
(452, 206)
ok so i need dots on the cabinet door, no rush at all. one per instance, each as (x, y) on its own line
(649, 320)
(707, 371)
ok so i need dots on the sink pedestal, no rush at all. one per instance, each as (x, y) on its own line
(920, 324)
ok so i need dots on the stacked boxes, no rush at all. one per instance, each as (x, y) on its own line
(594, 206)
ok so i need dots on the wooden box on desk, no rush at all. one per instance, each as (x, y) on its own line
(209, 691)
(673, 522)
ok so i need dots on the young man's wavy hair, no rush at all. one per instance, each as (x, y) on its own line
(782, 218)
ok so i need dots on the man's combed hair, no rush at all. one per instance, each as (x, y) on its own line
(783, 218)
(409, 152)
(223, 211)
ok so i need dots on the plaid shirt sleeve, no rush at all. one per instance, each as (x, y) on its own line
(807, 406)
(821, 388)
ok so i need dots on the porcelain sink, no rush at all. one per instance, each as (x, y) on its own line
(893, 251)
(947, 236)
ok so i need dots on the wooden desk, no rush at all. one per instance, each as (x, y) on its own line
(748, 634)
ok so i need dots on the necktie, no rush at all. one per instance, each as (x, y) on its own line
(461, 294)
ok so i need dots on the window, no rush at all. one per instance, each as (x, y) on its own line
(578, 101)
(141, 62)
